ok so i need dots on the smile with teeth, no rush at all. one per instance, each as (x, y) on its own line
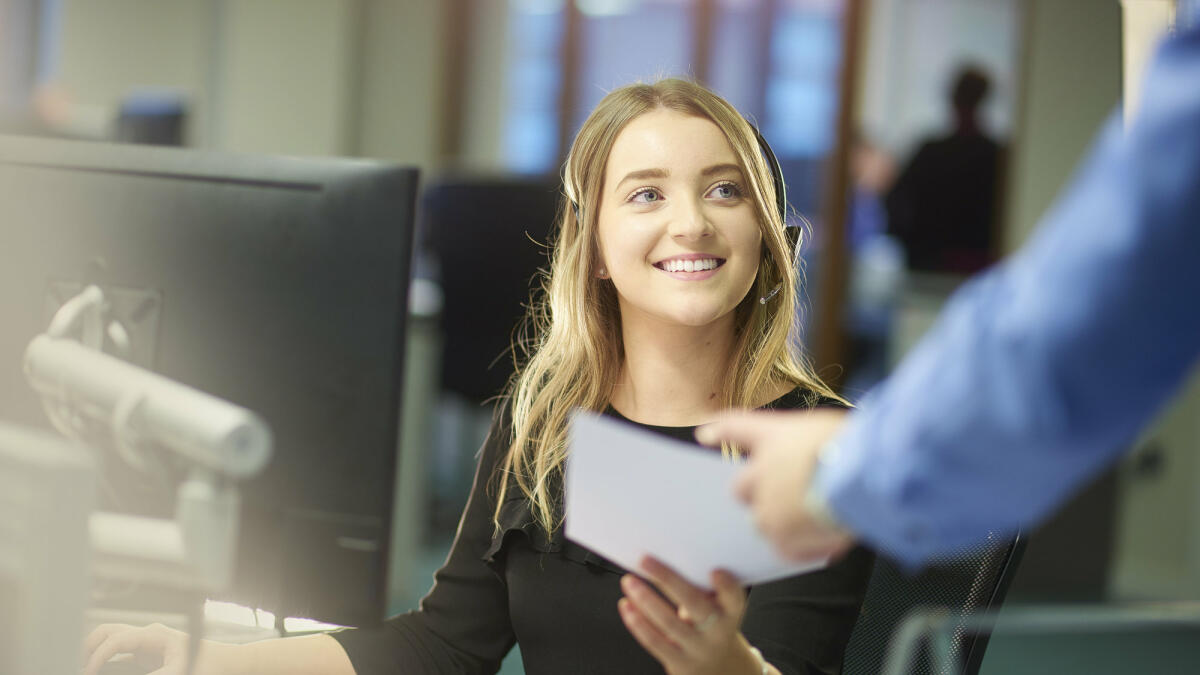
(689, 265)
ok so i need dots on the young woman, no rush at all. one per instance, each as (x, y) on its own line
(670, 298)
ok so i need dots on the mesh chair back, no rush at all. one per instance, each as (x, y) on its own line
(963, 584)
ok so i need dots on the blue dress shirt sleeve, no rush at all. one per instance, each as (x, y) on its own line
(1042, 370)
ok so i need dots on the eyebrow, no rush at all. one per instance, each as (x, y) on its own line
(663, 173)
(720, 168)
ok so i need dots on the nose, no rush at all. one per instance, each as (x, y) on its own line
(689, 221)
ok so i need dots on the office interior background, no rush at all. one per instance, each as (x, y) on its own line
(489, 93)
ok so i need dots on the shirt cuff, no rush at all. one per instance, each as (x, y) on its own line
(857, 490)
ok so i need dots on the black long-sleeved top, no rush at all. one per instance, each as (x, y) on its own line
(559, 600)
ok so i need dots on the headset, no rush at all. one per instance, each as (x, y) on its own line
(791, 232)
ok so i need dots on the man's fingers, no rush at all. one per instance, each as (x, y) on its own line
(744, 483)
(804, 549)
(752, 429)
(740, 428)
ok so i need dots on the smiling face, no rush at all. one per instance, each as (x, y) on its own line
(679, 235)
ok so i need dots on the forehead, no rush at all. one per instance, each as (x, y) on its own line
(666, 139)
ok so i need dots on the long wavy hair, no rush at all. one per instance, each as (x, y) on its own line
(571, 339)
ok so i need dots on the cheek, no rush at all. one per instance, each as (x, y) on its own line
(747, 241)
(600, 254)
(624, 244)
(601, 244)
(608, 251)
(607, 236)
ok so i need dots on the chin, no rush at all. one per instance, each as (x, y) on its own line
(697, 317)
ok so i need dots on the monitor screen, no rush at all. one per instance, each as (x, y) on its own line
(278, 284)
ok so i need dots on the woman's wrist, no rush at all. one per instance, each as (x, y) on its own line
(761, 664)
(753, 660)
(225, 658)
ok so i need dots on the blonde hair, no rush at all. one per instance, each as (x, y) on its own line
(572, 335)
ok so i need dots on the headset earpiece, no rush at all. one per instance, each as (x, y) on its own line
(776, 174)
(790, 232)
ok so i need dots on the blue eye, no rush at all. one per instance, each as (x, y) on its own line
(646, 196)
(726, 190)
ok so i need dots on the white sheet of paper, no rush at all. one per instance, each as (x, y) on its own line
(631, 493)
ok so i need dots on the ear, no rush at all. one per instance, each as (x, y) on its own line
(598, 262)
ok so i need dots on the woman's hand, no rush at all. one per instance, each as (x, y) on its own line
(160, 649)
(699, 633)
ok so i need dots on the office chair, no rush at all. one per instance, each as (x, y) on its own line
(487, 236)
(963, 585)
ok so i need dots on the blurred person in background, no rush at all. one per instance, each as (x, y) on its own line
(943, 205)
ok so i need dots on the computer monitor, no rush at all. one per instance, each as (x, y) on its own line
(279, 284)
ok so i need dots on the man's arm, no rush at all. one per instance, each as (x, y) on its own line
(1041, 371)
(1038, 373)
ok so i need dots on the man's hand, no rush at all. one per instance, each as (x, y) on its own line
(783, 448)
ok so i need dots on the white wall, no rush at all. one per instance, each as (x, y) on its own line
(1158, 541)
(487, 60)
(912, 49)
(1158, 552)
(298, 77)
(402, 82)
(1072, 82)
(18, 19)
(112, 48)
(287, 76)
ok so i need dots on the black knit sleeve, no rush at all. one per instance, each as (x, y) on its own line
(463, 623)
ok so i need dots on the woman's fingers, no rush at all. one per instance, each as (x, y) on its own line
(154, 641)
(116, 642)
(697, 604)
(100, 634)
(730, 595)
(649, 636)
(697, 634)
(661, 613)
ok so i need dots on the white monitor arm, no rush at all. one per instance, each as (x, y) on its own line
(82, 388)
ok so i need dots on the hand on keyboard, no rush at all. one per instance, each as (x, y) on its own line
(150, 648)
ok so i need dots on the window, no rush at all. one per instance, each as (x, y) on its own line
(536, 32)
(660, 30)
(777, 62)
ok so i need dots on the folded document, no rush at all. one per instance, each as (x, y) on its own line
(631, 493)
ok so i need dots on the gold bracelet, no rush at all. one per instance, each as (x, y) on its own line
(761, 661)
